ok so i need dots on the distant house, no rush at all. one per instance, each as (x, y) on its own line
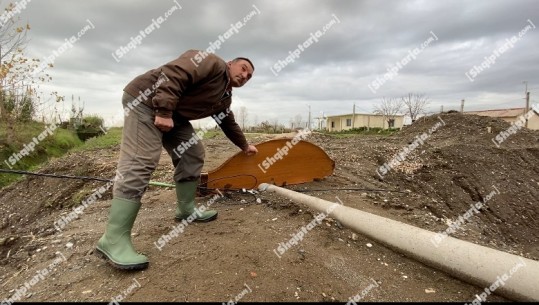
(349, 121)
(509, 115)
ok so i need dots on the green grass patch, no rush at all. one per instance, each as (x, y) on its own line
(211, 134)
(52, 145)
(112, 138)
(362, 131)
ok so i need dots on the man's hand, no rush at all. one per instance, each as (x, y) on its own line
(164, 124)
(250, 150)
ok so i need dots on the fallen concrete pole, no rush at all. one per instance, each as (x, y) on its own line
(482, 266)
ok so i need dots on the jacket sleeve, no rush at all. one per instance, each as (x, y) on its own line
(233, 131)
(179, 75)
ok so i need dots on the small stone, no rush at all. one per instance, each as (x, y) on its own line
(369, 245)
(258, 200)
(274, 219)
(430, 290)
(69, 245)
(86, 291)
(404, 276)
(354, 236)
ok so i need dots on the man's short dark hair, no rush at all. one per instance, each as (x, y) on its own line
(246, 59)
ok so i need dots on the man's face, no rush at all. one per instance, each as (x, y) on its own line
(240, 72)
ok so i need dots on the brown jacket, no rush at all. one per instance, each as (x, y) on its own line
(194, 89)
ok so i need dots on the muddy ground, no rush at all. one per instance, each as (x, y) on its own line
(233, 257)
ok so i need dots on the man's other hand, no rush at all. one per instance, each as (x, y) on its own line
(250, 150)
(164, 124)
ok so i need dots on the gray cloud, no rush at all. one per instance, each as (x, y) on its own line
(329, 75)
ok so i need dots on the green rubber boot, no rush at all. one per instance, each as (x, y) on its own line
(115, 245)
(185, 192)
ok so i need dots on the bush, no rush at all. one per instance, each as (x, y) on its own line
(91, 126)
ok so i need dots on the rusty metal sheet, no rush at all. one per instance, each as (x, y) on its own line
(278, 162)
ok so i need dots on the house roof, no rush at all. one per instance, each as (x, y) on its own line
(499, 113)
(350, 114)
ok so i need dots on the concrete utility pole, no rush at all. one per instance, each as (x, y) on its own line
(353, 115)
(442, 109)
(527, 106)
(309, 123)
(462, 106)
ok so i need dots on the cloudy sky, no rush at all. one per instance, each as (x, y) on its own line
(364, 51)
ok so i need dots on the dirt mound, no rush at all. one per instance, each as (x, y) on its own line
(458, 164)
(25, 204)
(456, 128)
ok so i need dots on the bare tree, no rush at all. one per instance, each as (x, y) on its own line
(415, 104)
(15, 93)
(265, 126)
(389, 108)
(297, 121)
(242, 115)
(20, 77)
(12, 36)
(275, 123)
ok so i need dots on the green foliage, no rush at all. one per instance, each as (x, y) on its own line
(19, 108)
(27, 110)
(91, 126)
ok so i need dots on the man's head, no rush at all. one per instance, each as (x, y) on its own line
(240, 70)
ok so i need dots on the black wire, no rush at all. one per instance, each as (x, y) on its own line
(227, 190)
(227, 177)
(52, 175)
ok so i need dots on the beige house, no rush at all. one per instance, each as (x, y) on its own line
(510, 115)
(349, 121)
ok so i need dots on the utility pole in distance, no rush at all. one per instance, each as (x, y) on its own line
(527, 106)
(309, 123)
(353, 115)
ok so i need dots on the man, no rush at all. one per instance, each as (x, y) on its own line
(158, 106)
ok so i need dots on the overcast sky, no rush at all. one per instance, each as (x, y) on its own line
(358, 42)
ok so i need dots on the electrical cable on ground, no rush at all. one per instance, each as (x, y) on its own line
(227, 192)
(8, 171)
